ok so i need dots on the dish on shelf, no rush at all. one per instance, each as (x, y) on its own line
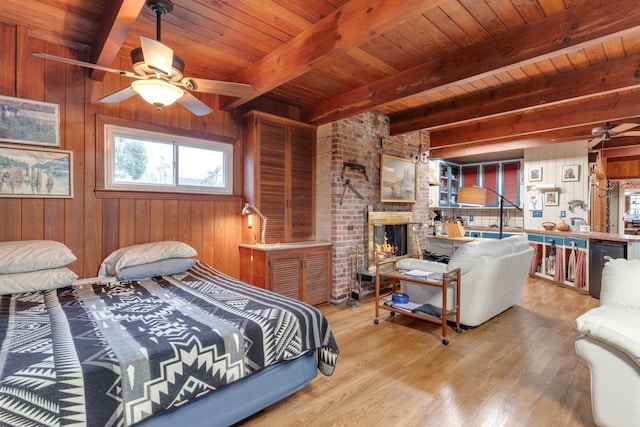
(549, 225)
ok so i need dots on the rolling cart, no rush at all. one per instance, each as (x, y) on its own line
(442, 281)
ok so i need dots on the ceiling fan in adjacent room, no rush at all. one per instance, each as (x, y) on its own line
(158, 75)
(607, 131)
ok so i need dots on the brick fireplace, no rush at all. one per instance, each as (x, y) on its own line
(344, 217)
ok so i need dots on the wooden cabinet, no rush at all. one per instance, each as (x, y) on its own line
(558, 258)
(279, 175)
(449, 176)
(502, 177)
(299, 271)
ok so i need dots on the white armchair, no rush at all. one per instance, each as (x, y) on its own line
(610, 344)
(493, 273)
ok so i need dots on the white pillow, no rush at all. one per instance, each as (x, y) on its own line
(165, 267)
(32, 255)
(36, 280)
(144, 254)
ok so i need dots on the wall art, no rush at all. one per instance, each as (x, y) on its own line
(535, 174)
(551, 198)
(571, 173)
(35, 172)
(24, 121)
(397, 179)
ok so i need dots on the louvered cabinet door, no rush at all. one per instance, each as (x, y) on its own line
(272, 180)
(302, 200)
(285, 274)
(279, 175)
(317, 276)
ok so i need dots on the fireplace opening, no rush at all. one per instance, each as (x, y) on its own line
(389, 240)
(390, 235)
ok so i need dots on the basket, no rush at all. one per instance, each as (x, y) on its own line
(454, 229)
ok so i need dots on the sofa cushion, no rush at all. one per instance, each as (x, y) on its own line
(620, 283)
(420, 264)
(468, 255)
(615, 325)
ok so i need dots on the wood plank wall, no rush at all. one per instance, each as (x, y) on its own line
(94, 226)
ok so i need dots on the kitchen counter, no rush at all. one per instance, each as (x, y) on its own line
(609, 237)
(496, 229)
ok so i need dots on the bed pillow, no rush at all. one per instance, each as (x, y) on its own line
(32, 255)
(165, 267)
(39, 280)
(144, 254)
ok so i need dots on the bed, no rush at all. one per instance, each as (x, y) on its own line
(192, 346)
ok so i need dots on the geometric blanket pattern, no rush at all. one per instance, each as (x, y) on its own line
(115, 354)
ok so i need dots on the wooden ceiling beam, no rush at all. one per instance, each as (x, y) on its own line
(480, 148)
(598, 80)
(119, 16)
(620, 154)
(346, 28)
(618, 147)
(505, 144)
(571, 30)
(611, 108)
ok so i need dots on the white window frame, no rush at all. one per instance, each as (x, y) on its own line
(110, 133)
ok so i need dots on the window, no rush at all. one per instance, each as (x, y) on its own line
(151, 161)
(634, 201)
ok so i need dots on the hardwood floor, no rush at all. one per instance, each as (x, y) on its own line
(518, 369)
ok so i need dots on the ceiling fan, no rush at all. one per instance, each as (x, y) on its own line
(608, 131)
(158, 74)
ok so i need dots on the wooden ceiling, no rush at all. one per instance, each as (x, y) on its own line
(479, 75)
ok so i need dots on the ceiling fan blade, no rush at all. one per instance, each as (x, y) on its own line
(118, 96)
(632, 133)
(157, 56)
(592, 143)
(194, 105)
(623, 127)
(237, 90)
(85, 64)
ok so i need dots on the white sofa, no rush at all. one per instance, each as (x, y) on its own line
(610, 344)
(493, 274)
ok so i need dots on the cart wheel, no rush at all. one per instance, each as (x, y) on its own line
(445, 341)
(459, 330)
(375, 321)
(392, 313)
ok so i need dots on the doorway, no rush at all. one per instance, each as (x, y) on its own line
(629, 206)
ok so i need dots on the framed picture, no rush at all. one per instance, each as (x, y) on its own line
(397, 179)
(24, 121)
(551, 198)
(35, 172)
(535, 174)
(571, 173)
(535, 204)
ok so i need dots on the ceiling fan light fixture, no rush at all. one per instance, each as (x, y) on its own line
(157, 92)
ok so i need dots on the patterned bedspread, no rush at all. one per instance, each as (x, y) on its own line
(112, 355)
